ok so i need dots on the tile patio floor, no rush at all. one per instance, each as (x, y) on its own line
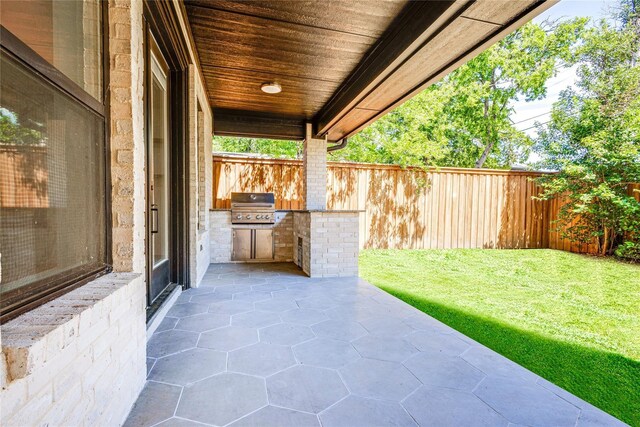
(263, 345)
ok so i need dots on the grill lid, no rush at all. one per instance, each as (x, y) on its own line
(252, 200)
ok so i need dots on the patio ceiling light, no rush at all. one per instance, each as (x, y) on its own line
(271, 87)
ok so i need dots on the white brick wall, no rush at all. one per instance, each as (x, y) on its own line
(315, 172)
(78, 360)
(200, 176)
(204, 255)
(220, 237)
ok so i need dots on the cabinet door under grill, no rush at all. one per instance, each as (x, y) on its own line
(263, 244)
(241, 244)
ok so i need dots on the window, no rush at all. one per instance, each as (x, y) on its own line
(65, 33)
(53, 207)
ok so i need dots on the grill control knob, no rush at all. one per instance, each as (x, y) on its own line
(258, 216)
(248, 216)
(239, 217)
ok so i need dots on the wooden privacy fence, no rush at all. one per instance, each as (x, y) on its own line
(410, 208)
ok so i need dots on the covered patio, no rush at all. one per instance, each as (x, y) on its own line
(264, 345)
(134, 271)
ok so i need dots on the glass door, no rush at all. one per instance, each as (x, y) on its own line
(158, 177)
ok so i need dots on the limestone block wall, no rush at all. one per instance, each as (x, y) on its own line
(200, 176)
(330, 242)
(79, 360)
(302, 232)
(283, 237)
(128, 181)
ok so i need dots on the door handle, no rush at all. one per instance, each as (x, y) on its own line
(154, 219)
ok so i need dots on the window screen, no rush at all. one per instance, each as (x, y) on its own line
(52, 187)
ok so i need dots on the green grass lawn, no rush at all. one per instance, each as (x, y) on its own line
(572, 319)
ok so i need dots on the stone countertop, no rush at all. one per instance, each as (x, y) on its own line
(330, 211)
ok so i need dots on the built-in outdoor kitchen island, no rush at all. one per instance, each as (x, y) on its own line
(323, 243)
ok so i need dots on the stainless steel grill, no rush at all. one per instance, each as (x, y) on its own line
(253, 208)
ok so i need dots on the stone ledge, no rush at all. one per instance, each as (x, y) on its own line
(31, 339)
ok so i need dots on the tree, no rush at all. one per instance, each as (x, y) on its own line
(410, 135)
(14, 132)
(593, 139)
(270, 147)
(465, 119)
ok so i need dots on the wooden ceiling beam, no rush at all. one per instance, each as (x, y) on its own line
(248, 124)
(418, 50)
(413, 27)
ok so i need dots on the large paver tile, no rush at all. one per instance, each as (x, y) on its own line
(350, 312)
(444, 371)
(210, 298)
(491, 363)
(317, 303)
(252, 296)
(167, 324)
(188, 366)
(597, 418)
(222, 399)
(203, 322)
(178, 422)
(169, 342)
(150, 362)
(339, 329)
(228, 338)
(447, 407)
(255, 319)
(386, 326)
(232, 289)
(326, 353)
(559, 391)
(187, 309)
(277, 305)
(280, 417)
(156, 402)
(231, 307)
(297, 294)
(261, 359)
(306, 388)
(384, 348)
(436, 343)
(424, 322)
(269, 287)
(525, 402)
(379, 379)
(359, 411)
(304, 316)
(286, 334)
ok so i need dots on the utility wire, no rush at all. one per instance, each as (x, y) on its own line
(534, 126)
(530, 118)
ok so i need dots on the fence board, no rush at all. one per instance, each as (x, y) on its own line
(456, 208)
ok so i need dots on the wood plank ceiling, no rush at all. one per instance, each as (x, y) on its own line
(341, 63)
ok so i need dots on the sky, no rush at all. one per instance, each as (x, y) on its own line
(527, 113)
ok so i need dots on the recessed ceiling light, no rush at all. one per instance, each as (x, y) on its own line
(271, 87)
